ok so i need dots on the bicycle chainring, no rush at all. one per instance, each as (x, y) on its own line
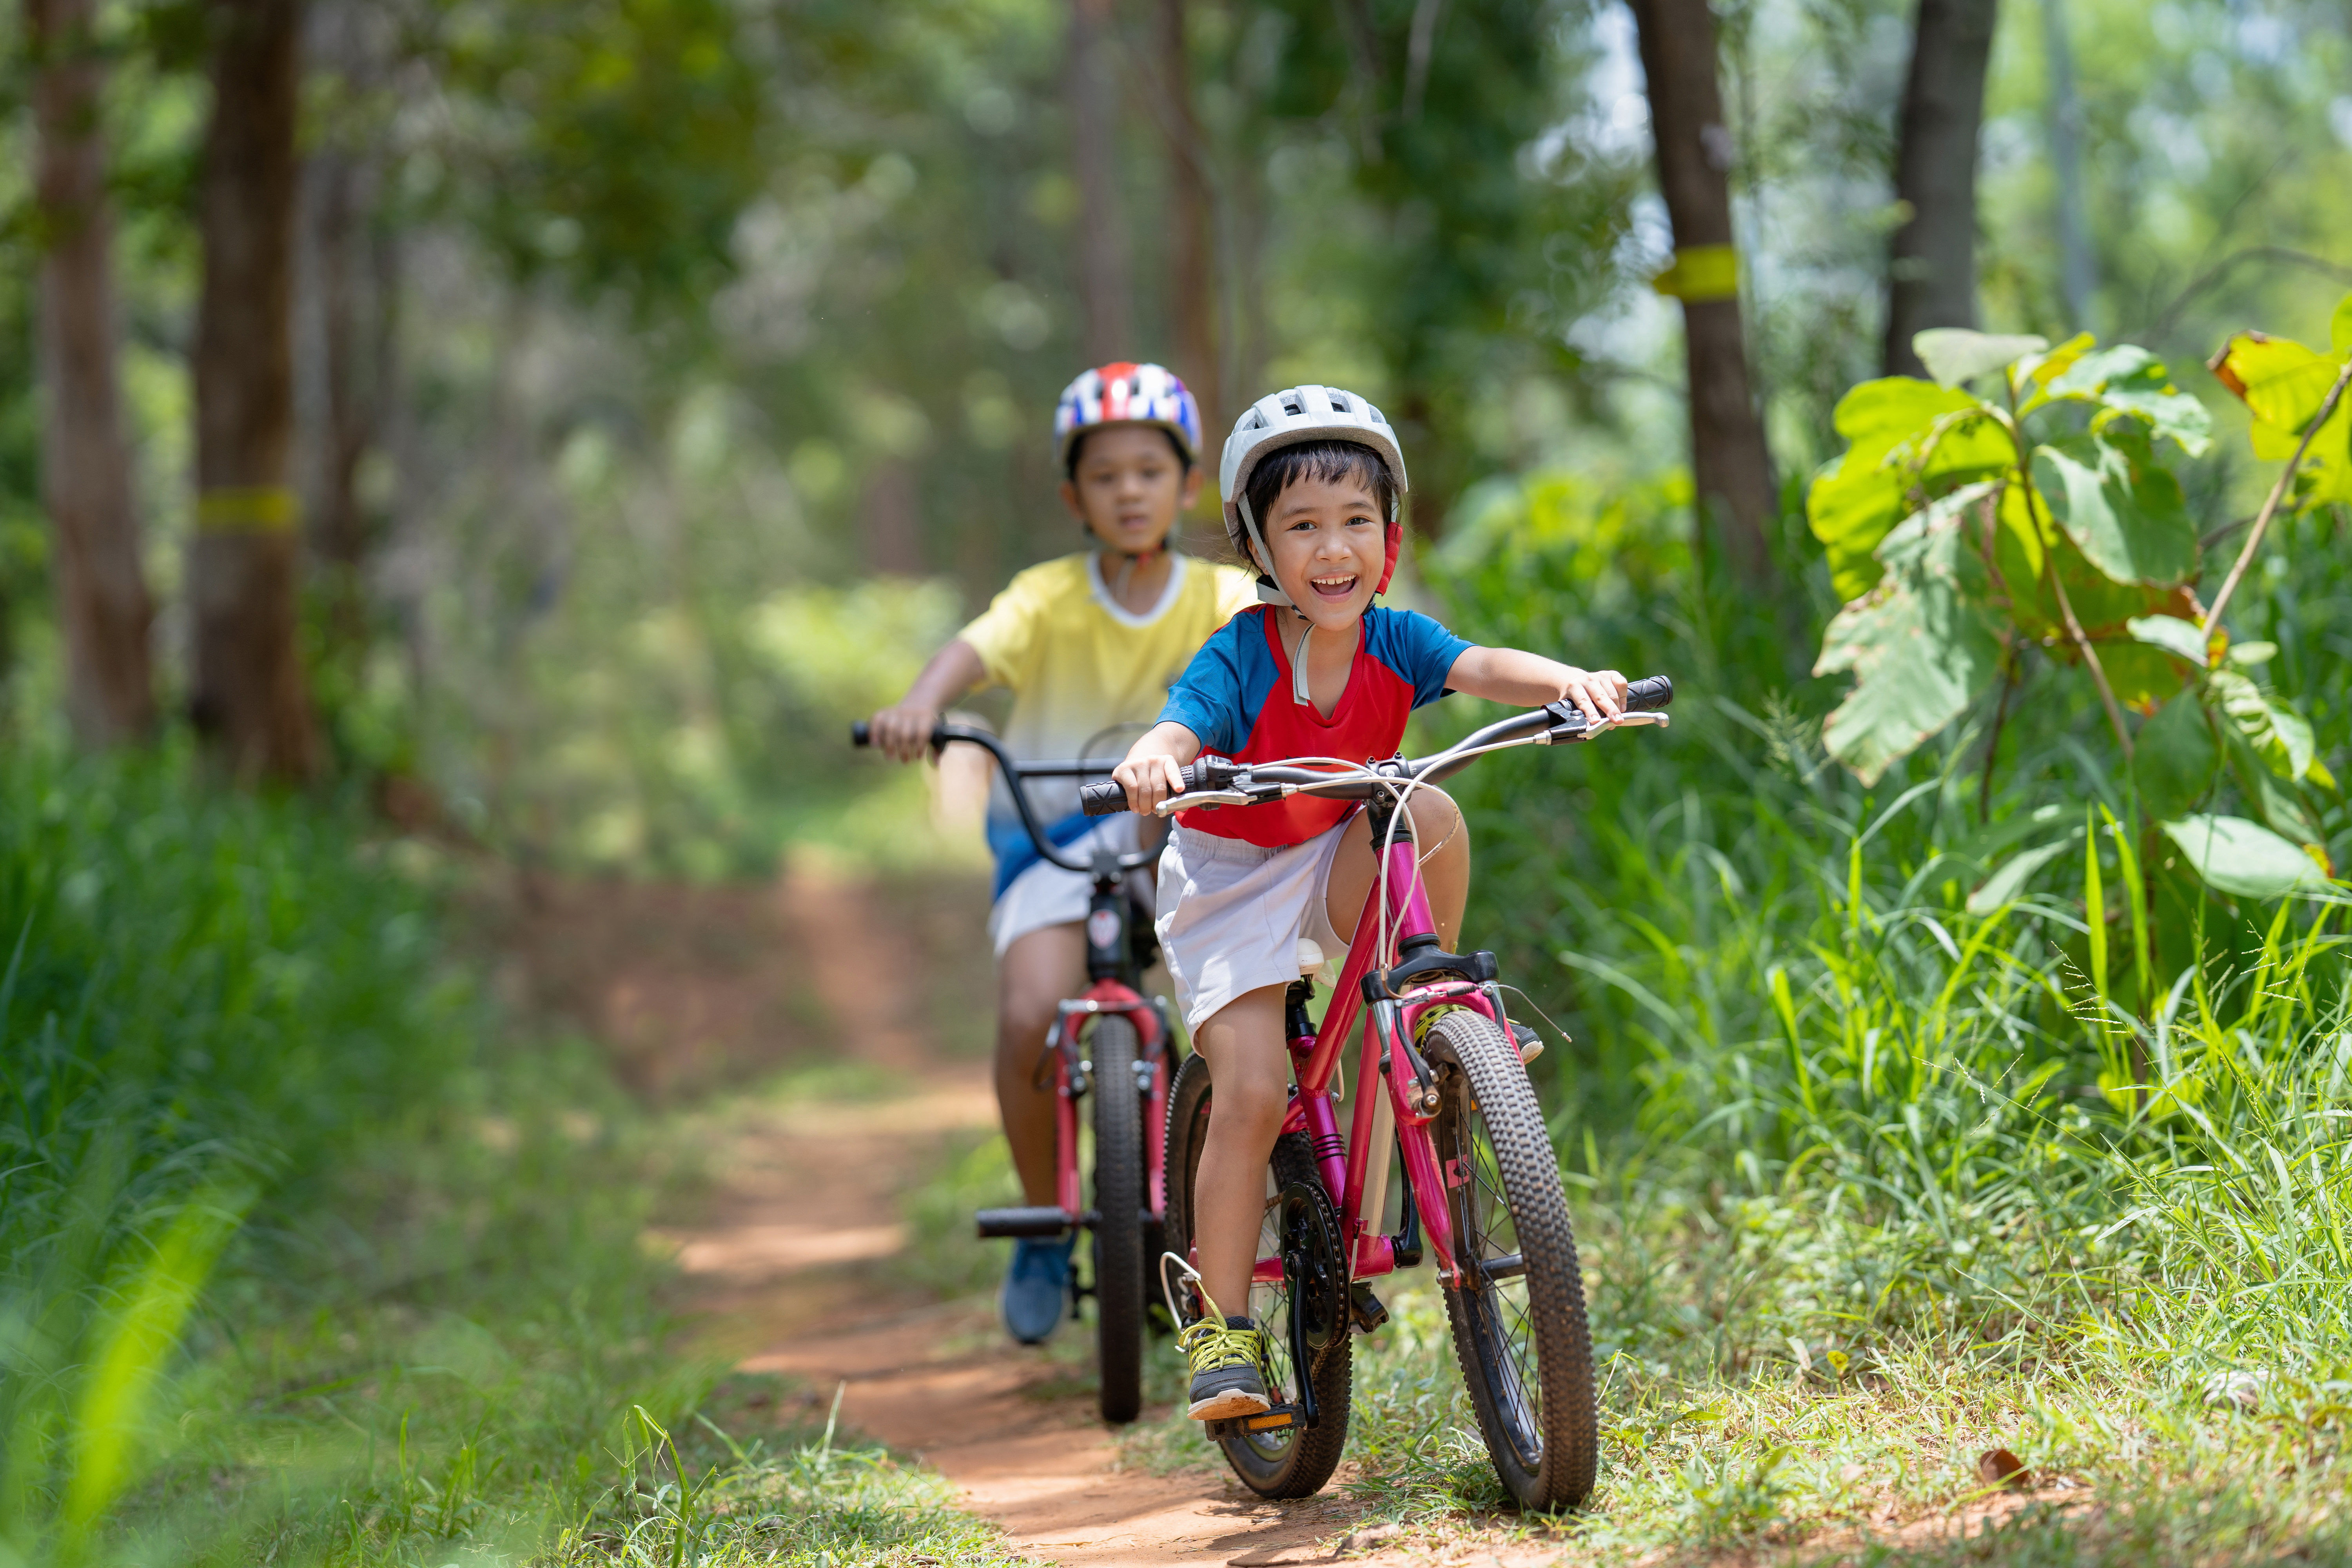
(1315, 1268)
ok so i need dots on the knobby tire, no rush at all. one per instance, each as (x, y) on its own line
(1525, 1349)
(1120, 1267)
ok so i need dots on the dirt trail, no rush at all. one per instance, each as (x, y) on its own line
(785, 1263)
(791, 1264)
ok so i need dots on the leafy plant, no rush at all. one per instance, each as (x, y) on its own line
(1963, 529)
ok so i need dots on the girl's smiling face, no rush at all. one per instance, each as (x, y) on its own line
(1329, 542)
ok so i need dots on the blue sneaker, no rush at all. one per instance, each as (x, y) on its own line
(1035, 1286)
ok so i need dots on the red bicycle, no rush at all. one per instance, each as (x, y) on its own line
(1481, 1182)
(1113, 1047)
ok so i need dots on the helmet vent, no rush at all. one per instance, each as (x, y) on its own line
(1256, 421)
(1293, 404)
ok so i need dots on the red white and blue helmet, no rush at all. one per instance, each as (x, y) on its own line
(1124, 394)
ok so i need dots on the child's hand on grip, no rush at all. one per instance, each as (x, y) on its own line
(1149, 780)
(903, 733)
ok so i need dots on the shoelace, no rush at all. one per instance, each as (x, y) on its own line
(1211, 1343)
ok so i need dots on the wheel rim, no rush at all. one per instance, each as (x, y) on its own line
(1502, 1332)
(1270, 1309)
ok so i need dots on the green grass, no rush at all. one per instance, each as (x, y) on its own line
(305, 1258)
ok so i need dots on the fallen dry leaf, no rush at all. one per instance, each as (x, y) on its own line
(1999, 1468)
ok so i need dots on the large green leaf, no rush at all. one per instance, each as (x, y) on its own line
(2243, 858)
(1921, 645)
(2269, 725)
(2184, 640)
(1891, 426)
(2127, 380)
(2121, 510)
(2174, 758)
(1955, 356)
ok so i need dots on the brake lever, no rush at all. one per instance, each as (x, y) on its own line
(1560, 735)
(1197, 797)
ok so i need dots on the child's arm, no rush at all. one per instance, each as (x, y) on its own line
(904, 731)
(1529, 680)
(1151, 772)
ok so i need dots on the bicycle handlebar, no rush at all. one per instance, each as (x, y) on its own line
(861, 734)
(1557, 723)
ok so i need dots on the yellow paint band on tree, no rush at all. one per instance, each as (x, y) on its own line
(247, 509)
(1700, 273)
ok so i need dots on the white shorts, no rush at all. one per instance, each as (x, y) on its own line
(1231, 913)
(1046, 895)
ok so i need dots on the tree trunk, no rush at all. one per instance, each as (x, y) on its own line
(1103, 281)
(1932, 266)
(251, 705)
(1729, 464)
(1192, 278)
(103, 608)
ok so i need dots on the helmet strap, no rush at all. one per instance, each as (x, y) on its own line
(1269, 590)
(1129, 563)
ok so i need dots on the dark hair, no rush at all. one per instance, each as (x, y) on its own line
(1329, 461)
(1078, 445)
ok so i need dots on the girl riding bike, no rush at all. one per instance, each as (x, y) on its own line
(1311, 479)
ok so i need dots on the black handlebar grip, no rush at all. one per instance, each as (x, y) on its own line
(859, 735)
(1647, 696)
(1102, 799)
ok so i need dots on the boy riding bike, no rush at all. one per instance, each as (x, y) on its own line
(1311, 479)
(1086, 643)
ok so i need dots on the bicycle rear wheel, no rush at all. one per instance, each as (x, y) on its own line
(1295, 1461)
(1120, 1272)
(1517, 1313)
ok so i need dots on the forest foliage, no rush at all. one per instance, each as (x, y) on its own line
(1957, 974)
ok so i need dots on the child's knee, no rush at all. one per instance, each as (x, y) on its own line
(1437, 820)
(1255, 1101)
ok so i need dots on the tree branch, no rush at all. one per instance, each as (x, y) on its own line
(2278, 493)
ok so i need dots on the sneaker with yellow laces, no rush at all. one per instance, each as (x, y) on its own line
(1225, 1382)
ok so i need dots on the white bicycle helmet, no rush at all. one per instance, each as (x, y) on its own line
(1288, 418)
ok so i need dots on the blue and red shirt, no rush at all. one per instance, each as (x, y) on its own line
(1236, 697)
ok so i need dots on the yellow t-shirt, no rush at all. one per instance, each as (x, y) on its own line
(1079, 662)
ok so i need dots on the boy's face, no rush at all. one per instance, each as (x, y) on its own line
(1329, 542)
(1129, 486)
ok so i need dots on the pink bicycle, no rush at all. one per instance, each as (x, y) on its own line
(1481, 1184)
(1112, 1047)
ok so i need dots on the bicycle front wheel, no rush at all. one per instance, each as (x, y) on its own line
(1118, 1218)
(1517, 1311)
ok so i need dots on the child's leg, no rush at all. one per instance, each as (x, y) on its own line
(1444, 871)
(1243, 1044)
(1039, 969)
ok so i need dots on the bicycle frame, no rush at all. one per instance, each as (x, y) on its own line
(1388, 1055)
(1111, 966)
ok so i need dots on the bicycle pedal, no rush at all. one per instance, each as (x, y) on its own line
(1048, 1223)
(1280, 1418)
(1365, 1308)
